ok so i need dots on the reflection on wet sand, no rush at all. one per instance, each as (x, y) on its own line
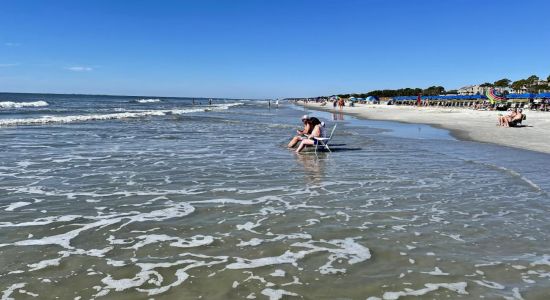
(337, 116)
(314, 166)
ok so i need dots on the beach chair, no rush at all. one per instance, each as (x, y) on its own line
(324, 141)
(518, 122)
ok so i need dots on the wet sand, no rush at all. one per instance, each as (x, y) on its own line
(465, 124)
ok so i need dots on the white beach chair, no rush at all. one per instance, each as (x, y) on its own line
(324, 141)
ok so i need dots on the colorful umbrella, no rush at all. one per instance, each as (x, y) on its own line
(493, 97)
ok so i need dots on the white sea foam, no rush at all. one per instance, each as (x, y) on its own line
(78, 118)
(194, 241)
(16, 205)
(490, 284)
(278, 273)
(277, 294)
(11, 104)
(41, 221)
(251, 242)
(148, 274)
(64, 239)
(436, 272)
(148, 100)
(347, 249)
(249, 226)
(12, 288)
(545, 260)
(110, 116)
(458, 287)
(45, 263)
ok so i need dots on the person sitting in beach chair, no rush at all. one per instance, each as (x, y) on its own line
(517, 119)
(318, 131)
(505, 120)
(301, 133)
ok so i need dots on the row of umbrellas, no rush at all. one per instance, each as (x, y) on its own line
(471, 97)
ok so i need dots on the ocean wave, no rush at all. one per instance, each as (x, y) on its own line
(110, 116)
(151, 100)
(11, 104)
(227, 105)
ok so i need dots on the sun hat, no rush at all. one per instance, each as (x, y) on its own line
(304, 117)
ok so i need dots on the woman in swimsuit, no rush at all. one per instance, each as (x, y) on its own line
(315, 133)
(301, 133)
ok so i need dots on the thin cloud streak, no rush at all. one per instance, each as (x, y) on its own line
(8, 65)
(80, 69)
(10, 44)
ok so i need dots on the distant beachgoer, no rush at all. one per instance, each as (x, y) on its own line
(301, 133)
(277, 103)
(341, 103)
(334, 104)
(318, 131)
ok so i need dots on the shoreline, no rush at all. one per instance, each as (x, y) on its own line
(462, 123)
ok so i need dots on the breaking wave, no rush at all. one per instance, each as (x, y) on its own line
(148, 100)
(110, 116)
(11, 104)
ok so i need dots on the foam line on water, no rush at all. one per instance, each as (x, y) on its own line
(148, 274)
(12, 288)
(16, 205)
(194, 241)
(12, 104)
(110, 116)
(509, 172)
(64, 239)
(458, 287)
(277, 294)
(150, 100)
(347, 249)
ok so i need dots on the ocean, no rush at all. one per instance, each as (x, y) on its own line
(108, 197)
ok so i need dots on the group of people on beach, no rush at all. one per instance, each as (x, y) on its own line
(313, 129)
(512, 119)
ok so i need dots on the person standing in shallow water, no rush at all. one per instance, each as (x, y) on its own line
(301, 133)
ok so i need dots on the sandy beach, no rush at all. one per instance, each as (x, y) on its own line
(465, 124)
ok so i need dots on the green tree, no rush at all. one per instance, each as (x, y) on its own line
(486, 84)
(434, 91)
(538, 88)
(516, 85)
(548, 78)
(505, 82)
(532, 79)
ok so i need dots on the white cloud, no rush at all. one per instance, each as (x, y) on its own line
(80, 69)
(10, 44)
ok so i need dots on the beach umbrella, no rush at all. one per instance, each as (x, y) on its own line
(372, 98)
(493, 97)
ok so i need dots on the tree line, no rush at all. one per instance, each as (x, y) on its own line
(531, 83)
(431, 91)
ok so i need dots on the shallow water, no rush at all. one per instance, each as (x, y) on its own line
(210, 204)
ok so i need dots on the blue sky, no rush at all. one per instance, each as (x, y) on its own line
(267, 49)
